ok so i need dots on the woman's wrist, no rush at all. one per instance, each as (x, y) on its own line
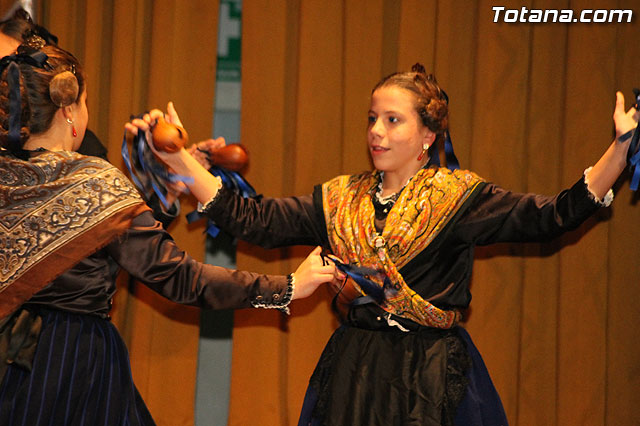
(178, 161)
(625, 136)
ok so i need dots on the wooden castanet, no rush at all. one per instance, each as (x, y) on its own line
(168, 137)
(232, 157)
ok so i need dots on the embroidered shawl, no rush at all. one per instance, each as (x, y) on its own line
(424, 207)
(56, 209)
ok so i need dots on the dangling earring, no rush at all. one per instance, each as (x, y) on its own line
(425, 147)
(73, 128)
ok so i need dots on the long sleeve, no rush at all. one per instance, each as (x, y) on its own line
(270, 222)
(497, 215)
(149, 254)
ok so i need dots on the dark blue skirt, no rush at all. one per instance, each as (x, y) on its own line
(80, 376)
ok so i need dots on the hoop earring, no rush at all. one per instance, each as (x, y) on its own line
(73, 128)
(425, 147)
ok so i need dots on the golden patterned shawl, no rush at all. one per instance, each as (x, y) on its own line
(426, 204)
(56, 209)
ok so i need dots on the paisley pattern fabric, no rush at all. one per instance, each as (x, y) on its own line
(47, 206)
(424, 207)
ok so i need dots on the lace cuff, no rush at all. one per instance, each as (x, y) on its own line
(608, 198)
(281, 305)
(203, 208)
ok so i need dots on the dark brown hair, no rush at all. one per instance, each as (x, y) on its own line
(42, 92)
(20, 26)
(430, 100)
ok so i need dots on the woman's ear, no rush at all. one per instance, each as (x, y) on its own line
(67, 112)
(428, 137)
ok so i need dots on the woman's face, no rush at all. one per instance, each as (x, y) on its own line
(395, 133)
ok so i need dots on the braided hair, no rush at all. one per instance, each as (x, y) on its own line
(430, 100)
(58, 83)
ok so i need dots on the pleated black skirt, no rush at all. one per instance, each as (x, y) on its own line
(81, 376)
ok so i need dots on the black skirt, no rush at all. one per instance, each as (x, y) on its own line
(80, 376)
(371, 373)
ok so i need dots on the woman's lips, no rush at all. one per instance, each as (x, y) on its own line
(377, 150)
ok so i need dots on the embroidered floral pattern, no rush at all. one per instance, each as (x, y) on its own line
(47, 201)
(422, 210)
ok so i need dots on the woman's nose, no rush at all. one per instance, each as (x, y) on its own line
(377, 128)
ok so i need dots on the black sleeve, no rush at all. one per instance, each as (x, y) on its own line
(270, 222)
(92, 146)
(150, 255)
(497, 215)
(160, 213)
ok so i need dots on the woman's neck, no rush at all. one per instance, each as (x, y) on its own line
(393, 182)
(54, 139)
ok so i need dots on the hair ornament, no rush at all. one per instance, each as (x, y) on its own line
(64, 88)
(32, 41)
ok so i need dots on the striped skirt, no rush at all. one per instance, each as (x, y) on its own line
(80, 376)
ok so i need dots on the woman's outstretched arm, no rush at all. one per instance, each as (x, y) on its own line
(608, 168)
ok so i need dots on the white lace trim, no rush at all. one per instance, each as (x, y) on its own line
(608, 198)
(202, 208)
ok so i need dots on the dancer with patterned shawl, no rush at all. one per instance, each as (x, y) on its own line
(67, 224)
(402, 359)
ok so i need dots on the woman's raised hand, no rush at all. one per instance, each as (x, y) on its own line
(624, 121)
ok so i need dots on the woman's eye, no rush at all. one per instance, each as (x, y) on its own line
(393, 119)
(371, 119)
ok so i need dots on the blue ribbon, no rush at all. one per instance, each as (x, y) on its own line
(633, 155)
(450, 156)
(634, 159)
(34, 58)
(361, 275)
(147, 173)
(231, 180)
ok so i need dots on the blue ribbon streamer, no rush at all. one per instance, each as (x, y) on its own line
(147, 173)
(634, 159)
(360, 274)
(634, 149)
(231, 180)
(449, 155)
(34, 58)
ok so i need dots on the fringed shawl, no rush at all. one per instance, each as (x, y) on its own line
(426, 204)
(56, 209)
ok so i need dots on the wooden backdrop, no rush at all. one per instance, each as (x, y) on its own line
(531, 107)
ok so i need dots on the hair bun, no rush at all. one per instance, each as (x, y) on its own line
(419, 68)
(437, 108)
(63, 89)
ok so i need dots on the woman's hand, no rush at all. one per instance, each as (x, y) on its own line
(624, 121)
(146, 123)
(312, 272)
(608, 168)
(201, 150)
(205, 186)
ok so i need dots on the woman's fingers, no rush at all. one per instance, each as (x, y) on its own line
(172, 115)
